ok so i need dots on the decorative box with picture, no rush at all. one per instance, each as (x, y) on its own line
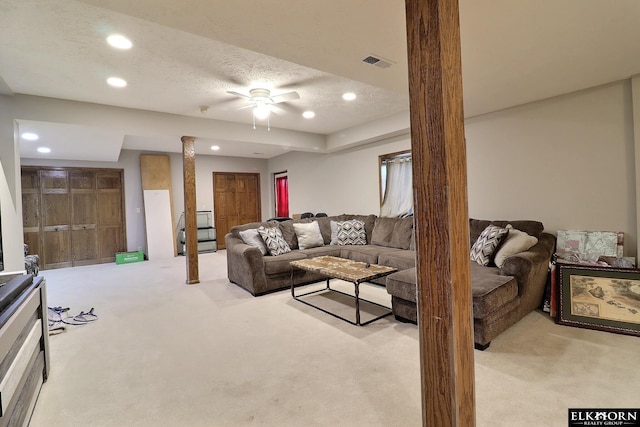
(603, 249)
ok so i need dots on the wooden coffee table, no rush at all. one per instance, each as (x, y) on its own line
(345, 269)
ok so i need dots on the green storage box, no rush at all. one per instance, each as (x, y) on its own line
(129, 257)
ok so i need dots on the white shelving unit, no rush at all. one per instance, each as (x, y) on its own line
(206, 233)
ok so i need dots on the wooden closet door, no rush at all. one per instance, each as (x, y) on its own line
(56, 219)
(84, 237)
(73, 216)
(31, 210)
(111, 224)
(236, 200)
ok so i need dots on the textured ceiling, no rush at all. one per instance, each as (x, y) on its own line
(190, 53)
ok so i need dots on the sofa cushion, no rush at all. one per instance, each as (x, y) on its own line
(401, 260)
(351, 232)
(517, 241)
(272, 236)
(402, 284)
(484, 248)
(392, 232)
(252, 238)
(274, 265)
(326, 250)
(367, 253)
(490, 291)
(308, 235)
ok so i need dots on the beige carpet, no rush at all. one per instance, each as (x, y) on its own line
(167, 354)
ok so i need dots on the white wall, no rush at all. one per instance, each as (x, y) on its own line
(567, 161)
(343, 182)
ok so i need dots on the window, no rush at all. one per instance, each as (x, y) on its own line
(396, 189)
(282, 194)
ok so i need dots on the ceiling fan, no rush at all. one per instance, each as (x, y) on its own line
(262, 102)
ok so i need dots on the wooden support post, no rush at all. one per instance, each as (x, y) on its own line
(190, 214)
(445, 316)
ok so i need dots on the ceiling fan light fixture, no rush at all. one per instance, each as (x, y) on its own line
(261, 111)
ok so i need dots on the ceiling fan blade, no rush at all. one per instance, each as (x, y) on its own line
(245, 107)
(289, 96)
(276, 109)
(233, 92)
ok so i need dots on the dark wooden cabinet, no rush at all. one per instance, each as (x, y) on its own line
(73, 216)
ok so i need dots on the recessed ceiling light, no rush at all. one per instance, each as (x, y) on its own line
(349, 96)
(44, 150)
(215, 147)
(308, 114)
(29, 136)
(116, 82)
(119, 42)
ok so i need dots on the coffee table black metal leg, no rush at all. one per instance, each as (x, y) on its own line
(292, 293)
(357, 303)
(328, 279)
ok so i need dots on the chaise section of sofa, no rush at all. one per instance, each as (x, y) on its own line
(501, 296)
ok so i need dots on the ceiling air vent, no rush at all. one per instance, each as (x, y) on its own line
(377, 61)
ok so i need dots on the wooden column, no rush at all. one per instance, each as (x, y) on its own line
(190, 214)
(441, 215)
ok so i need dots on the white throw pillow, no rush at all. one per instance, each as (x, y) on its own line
(251, 237)
(517, 241)
(309, 235)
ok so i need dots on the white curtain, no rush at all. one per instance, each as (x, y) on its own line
(398, 193)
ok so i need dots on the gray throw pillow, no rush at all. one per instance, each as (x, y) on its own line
(251, 237)
(272, 236)
(334, 232)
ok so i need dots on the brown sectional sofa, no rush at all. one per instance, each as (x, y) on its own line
(501, 296)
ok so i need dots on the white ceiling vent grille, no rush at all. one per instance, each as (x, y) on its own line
(377, 61)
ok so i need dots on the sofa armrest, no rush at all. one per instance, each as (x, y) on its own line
(245, 266)
(530, 269)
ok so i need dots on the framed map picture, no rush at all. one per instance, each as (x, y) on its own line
(603, 298)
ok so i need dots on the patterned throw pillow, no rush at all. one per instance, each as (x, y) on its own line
(272, 236)
(351, 233)
(484, 248)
